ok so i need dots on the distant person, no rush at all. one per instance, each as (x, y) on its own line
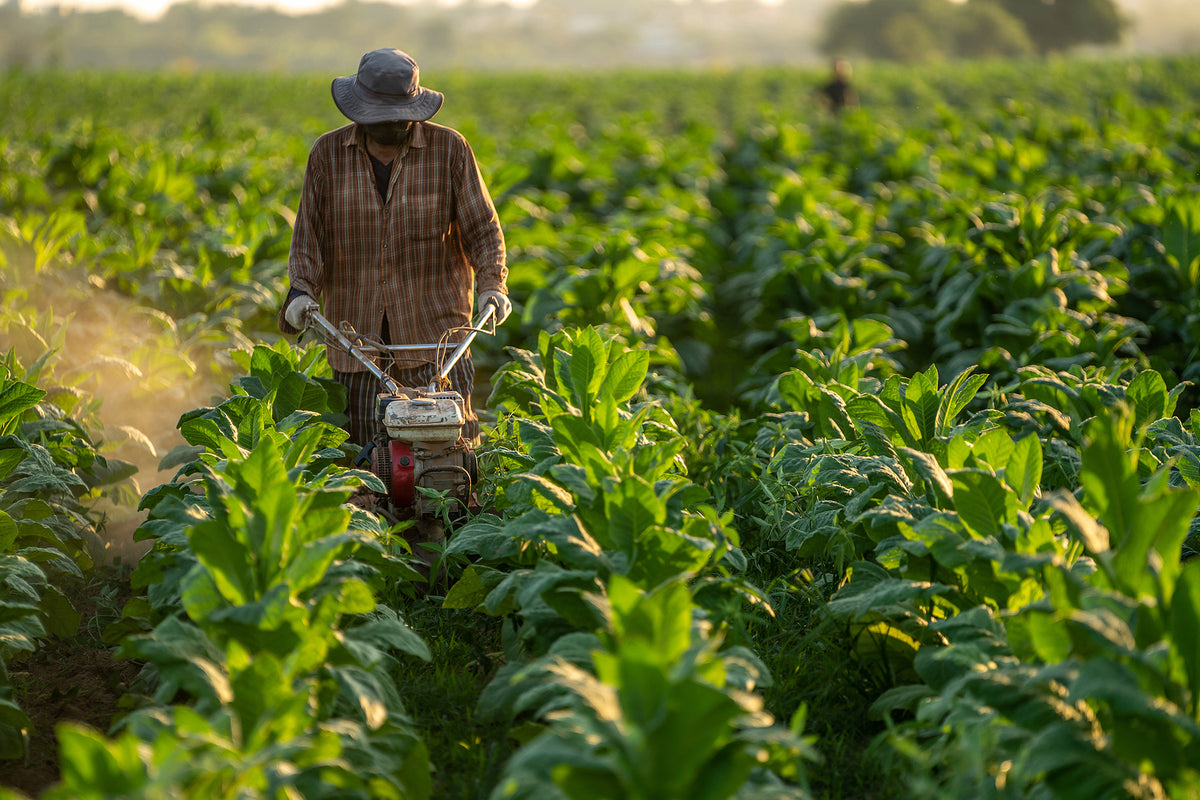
(839, 93)
(394, 234)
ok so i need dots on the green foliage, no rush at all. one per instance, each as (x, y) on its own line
(1181, 240)
(917, 31)
(603, 493)
(666, 714)
(596, 534)
(866, 364)
(1089, 671)
(262, 616)
(921, 31)
(1064, 24)
(50, 475)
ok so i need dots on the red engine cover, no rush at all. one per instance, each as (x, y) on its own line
(403, 466)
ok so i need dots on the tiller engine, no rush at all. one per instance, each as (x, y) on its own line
(418, 443)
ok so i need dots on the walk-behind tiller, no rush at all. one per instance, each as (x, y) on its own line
(418, 442)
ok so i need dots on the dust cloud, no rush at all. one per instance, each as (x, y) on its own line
(126, 372)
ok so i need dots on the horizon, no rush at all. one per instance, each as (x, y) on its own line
(718, 28)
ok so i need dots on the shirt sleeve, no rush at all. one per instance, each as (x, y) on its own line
(306, 266)
(482, 237)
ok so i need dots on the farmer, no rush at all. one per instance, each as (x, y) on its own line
(394, 233)
(839, 93)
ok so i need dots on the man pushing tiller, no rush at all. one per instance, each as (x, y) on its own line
(394, 233)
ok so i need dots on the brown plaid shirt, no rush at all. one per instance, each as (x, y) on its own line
(411, 258)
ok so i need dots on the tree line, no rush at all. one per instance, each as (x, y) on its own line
(585, 34)
(931, 30)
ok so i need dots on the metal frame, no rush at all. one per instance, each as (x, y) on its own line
(360, 351)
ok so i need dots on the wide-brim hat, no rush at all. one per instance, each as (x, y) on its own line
(386, 88)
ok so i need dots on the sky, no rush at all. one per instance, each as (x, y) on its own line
(151, 9)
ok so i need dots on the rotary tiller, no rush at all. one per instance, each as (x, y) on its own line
(418, 443)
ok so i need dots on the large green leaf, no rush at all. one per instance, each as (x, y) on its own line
(40, 474)
(869, 408)
(1109, 475)
(1181, 237)
(227, 559)
(16, 397)
(472, 586)
(307, 565)
(561, 499)
(385, 631)
(265, 698)
(581, 370)
(920, 408)
(1161, 524)
(12, 453)
(993, 450)
(274, 611)
(59, 614)
(982, 502)
(626, 374)
(1023, 472)
(489, 537)
(696, 733)
(15, 726)
(931, 472)
(8, 533)
(368, 695)
(1049, 636)
(631, 506)
(184, 656)
(1184, 623)
(661, 618)
(861, 599)
(957, 396)
(207, 427)
(1147, 394)
(95, 766)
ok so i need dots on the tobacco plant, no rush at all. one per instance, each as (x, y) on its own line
(600, 557)
(261, 613)
(50, 475)
(1089, 687)
(657, 710)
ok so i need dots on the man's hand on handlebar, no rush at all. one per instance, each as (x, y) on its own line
(297, 311)
(499, 299)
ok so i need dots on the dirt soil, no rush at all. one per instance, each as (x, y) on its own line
(75, 679)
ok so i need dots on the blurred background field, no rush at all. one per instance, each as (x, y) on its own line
(716, 191)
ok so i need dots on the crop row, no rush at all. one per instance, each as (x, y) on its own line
(264, 615)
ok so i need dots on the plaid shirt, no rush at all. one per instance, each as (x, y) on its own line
(411, 258)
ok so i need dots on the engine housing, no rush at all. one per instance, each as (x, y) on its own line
(419, 444)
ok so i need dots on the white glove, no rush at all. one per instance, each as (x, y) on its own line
(296, 313)
(500, 299)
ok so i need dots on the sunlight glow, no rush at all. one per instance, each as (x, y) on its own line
(153, 9)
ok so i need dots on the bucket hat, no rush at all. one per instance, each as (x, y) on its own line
(387, 88)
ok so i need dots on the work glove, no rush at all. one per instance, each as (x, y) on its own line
(296, 312)
(503, 304)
